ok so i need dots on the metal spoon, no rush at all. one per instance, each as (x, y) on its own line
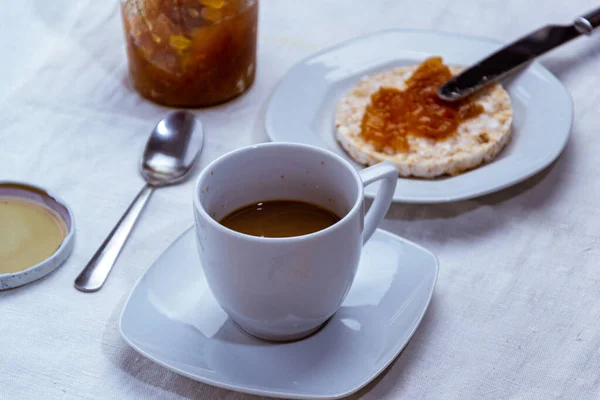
(170, 153)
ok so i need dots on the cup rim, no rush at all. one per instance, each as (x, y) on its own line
(338, 225)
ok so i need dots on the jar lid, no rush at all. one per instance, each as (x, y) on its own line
(36, 233)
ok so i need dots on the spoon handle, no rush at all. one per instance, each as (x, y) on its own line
(96, 271)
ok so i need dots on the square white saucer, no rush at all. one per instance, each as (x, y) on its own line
(172, 318)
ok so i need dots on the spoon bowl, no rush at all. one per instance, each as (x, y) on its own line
(172, 149)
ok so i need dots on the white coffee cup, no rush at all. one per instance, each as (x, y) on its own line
(285, 288)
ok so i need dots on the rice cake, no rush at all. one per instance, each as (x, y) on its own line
(476, 141)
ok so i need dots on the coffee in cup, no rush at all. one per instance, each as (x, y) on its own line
(280, 218)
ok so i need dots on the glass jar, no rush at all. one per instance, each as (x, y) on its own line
(190, 53)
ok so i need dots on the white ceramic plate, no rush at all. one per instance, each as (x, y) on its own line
(172, 318)
(303, 104)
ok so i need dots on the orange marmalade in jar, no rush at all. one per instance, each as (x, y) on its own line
(190, 53)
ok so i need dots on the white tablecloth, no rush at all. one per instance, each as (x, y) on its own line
(516, 309)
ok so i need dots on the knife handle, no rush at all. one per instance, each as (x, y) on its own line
(586, 23)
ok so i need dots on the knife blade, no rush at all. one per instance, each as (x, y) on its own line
(516, 54)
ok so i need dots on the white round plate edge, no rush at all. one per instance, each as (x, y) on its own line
(398, 195)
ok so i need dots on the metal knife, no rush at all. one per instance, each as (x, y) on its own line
(514, 55)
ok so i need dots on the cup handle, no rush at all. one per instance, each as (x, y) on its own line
(387, 173)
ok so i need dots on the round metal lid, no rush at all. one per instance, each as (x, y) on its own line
(49, 200)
